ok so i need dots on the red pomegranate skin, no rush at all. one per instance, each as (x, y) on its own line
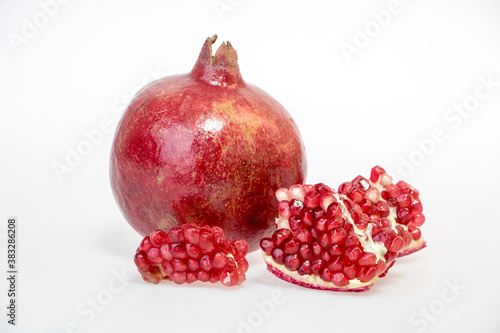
(208, 148)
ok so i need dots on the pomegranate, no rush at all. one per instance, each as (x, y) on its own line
(346, 240)
(207, 148)
(192, 253)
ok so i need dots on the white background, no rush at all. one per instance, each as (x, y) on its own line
(82, 64)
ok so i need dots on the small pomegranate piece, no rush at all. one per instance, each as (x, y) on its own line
(346, 240)
(192, 253)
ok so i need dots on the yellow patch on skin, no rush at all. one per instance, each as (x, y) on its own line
(166, 221)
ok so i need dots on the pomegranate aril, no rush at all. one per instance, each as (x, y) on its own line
(356, 195)
(336, 250)
(376, 172)
(326, 274)
(158, 238)
(219, 260)
(176, 235)
(206, 244)
(168, 268)
(190, 277)
(324, 239)
(351, 240)
(214, 276)
(295, 223)
(308, 218)
(292, 262)
(316, 248)
(206, 263)
(305, 268)
(243, 264)
(334, 223)
(325, 256)
(178, 251)
(241, 246)
(312, 199)
(316, 266)
(354, 253)
(397, 244)
(296, 208)
(415, 232)
(366, 273)
(142, 262)
(278, 255)
(418, 220)
(367, 259)
(404, 200)
(193, 251)
(193, 264)
(217, 232)
(281, 235)
(154, 255)
(320, 225)
(334, 210)
(337, 264)
(303, 236)
(192, 235)
(305, 251)
(267, 245)
(203, 276)
(340, 280)
(350, 270)
(179, 265)
(284, 209)
(179, 277)
(338, 236)
(416, 208)
(146, 244)
(224, 245)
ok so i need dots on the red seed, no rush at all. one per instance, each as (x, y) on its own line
(243, 264)
(316, 266)
(281, 235)
(284, 209)
(191, 277)
(178, 251)
(305, 251)
(267, 245)
(336, 250)
(241, 246)
(350, 270)
(305, 268)
(154, 255)
(367, 259)
(337, 264)
(334, 223)
(340, 280)
(219, 260)
(176, 235)
(353, 253)
(179, 277)
(376, 172)
(146, 244)
(366, 274)
(308, 218)
(418, 220)
(292, 262)
(320, 225)
(206, 243)
(214, 277)
(158, 238)
(311, 200)
(168, 268)
(192, 234)
(142, 262)
(351, 240)
(296, 223)
(193, 251)
(303, 236)
(165, 252)
(397, 244)
(179, 265)
(193, 264)
(326, 274)
(334, 210)
(324, 239)
(338, 236)
(206, 263)
(415, 232)
(403, 200)
(278, 255)
(203, 276)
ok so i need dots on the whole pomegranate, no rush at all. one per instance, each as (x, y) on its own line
(207, 148)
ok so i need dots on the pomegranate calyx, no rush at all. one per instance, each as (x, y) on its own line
(220, 69)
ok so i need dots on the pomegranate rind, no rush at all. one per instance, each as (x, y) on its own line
(313, 281)
(413, 247)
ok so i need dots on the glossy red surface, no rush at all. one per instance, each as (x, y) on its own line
(205, 147)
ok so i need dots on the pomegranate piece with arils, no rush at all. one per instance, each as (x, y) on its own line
(192, 253)
(345, 240)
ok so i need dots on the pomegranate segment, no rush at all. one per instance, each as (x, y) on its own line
(399, 202)
(346, 240)
(192, 253)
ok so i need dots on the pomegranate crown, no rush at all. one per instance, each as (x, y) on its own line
(220, 69)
